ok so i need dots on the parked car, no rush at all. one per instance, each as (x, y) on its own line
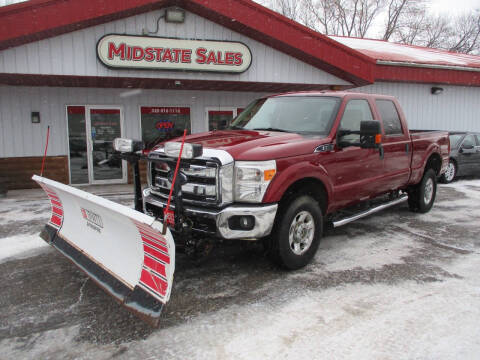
(464, 156)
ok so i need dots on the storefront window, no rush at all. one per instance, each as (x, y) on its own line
(219, 119)
(163, 123)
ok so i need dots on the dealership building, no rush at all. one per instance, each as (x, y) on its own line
(92, 71)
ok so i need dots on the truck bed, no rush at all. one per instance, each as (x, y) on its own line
(424, 142)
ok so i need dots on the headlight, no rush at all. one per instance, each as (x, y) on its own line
(226, 183)
(189, 151)
(127, 145)
(252, 179)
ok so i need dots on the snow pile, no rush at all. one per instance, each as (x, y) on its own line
(20, 246)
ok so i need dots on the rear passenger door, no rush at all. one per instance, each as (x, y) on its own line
(396, 146)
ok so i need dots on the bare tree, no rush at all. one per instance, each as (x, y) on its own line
(466, 34)
(406, 21)
(321, 15)
(288, 8)
(395, 10)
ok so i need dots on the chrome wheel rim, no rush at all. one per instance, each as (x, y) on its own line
(302, 230)
(428, 191)
(450, 172)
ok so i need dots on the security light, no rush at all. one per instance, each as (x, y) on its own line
(175, 15)
(437, 90)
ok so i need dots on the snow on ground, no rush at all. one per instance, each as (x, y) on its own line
(395, 285)
(20, 246)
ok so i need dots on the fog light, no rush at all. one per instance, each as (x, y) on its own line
(246, 222)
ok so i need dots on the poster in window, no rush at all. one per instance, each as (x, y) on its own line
(163, 123)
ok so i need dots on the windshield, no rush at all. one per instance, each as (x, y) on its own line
(454, 139)
(299, 114)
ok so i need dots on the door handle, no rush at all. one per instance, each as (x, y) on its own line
(407, 148)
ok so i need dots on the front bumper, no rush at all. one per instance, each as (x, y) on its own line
(264, 216)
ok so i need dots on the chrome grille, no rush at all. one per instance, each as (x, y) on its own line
(202, 180)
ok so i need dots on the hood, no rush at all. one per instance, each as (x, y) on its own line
(257, 145)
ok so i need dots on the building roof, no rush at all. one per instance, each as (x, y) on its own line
(39, 19)
(359, 61)
(388, 52)
(400, 62)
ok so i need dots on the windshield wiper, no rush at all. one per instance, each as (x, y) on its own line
(271, 129)
(234, 127)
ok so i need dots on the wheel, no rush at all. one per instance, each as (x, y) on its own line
(450, 173)
(296, 233)
(422, 196)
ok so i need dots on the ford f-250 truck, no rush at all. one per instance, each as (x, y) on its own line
(287, 166)
(291, 163)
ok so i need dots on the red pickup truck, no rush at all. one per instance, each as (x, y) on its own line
(291, 163)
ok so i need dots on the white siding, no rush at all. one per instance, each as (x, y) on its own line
(19, 137)
(457, 108)
(75, 53)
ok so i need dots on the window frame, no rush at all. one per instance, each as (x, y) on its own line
(233, 109)
(402, 130)
(475, 142)
(372, 112)
(160, 106)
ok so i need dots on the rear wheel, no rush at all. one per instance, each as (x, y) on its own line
(296, 233)
(450, 173)
(422, 196)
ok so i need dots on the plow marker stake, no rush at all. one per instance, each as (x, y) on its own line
(121, 249)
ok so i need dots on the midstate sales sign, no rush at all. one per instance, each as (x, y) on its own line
(145, 52)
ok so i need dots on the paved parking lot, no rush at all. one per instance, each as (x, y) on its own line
(394, 285)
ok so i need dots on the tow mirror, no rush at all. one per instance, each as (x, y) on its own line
(370, 134)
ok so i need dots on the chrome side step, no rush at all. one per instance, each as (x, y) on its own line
(370, 211)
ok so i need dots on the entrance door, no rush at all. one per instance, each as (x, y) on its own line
(92, 130)
(220, 118)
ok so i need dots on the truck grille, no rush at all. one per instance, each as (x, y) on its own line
(202, 180)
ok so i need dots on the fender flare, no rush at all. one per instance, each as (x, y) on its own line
(294, 173)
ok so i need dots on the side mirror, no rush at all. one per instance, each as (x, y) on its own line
(467, 149)
(370, 134)
(122, 145)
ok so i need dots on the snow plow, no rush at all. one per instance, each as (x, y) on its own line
(121, 249)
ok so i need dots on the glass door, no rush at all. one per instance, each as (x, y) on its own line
(77, 144)
(91, 131)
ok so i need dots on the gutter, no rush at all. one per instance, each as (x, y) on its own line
(427, 66)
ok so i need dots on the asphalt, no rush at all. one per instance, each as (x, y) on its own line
(43, 292)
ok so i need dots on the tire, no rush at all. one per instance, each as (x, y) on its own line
(422, 196)
(296, 233)
(450, 173)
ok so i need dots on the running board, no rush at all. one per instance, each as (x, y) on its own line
(370, 211)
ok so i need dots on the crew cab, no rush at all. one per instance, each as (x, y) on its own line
(291, 163)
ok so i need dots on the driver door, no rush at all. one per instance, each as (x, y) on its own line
(354, 171)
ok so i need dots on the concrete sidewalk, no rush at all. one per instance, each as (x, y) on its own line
(100, 190)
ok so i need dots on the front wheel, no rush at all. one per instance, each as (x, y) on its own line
(296, 233)
(422, 196)
(450, 173)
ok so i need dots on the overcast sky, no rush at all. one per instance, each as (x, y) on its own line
(444, 6)
(461, 6)
(437, 6)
